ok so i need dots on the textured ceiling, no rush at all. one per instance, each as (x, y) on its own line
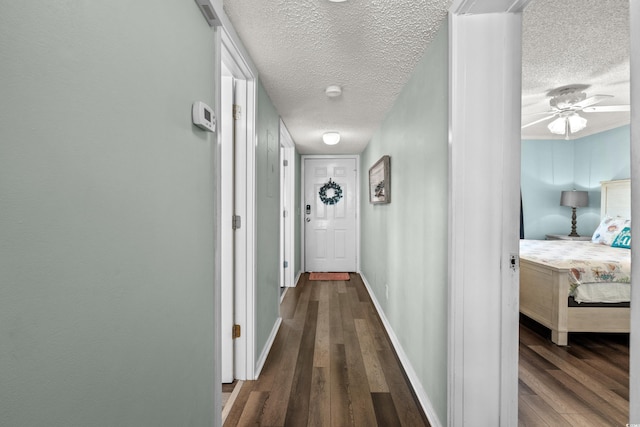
(371, 47)
(575, 42)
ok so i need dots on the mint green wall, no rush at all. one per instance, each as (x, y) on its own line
(404, 243)
(601, 157)
(547, 169)
(107, 223)
(550, 166)
(267, 297)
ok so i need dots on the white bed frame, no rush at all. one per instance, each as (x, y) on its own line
(544, 289)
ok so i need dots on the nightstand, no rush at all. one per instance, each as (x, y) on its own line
(565, 237)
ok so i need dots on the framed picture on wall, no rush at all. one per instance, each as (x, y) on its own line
(380, 181)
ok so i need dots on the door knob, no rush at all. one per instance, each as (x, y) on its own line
(307, 219)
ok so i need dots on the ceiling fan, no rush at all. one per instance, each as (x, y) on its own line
(566, 102)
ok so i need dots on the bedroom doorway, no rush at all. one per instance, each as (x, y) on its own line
(592, 185)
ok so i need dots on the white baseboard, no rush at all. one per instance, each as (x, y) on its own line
(267, 348)
(283, 293)
(295, 282)
(424, 400)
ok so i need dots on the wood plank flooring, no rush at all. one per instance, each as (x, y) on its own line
(583, 384)
(331, 364)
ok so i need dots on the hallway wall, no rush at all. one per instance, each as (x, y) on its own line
(267, 296)
(404, 243)
(107, 215)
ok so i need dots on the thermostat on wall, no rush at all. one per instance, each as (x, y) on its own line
(203, 116)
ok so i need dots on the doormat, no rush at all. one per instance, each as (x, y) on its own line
(329, 276)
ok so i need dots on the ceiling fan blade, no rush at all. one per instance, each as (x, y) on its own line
(540, 112)
(607, 109)
(591, 100)
(538, 121)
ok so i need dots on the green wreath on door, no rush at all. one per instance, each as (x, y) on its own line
(331, 188)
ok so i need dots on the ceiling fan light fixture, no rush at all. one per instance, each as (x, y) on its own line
(331, 138)
(567, 99)
(576, 123)
(566, 124)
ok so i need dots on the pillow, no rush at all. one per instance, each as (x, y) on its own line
(623, 240)
(608, 230)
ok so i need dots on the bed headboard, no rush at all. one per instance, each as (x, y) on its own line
(615, 198)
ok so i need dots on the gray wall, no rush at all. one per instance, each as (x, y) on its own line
(404, 243)
(267, 296)
(107, 215)
(551, 166)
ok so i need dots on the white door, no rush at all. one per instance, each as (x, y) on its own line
(283, 218)
(287, 200)
(330, 202)
(226, 128)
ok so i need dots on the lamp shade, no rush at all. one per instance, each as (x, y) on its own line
(576, 123)
(558, 126)
(574, 198)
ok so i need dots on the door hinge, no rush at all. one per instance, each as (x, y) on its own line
(236, 112)
(284, 214)
(236, 222)
(236, 331)
(285, 162)
(285, 264)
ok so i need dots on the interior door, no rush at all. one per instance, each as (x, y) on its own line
(283, 218)
(227, 260)
(330, 201)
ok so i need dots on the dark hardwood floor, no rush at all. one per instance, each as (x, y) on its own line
(583, 384)
(331, 364)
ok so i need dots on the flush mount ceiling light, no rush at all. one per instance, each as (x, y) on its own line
(331, 138)
(337, 1)
(333, 91)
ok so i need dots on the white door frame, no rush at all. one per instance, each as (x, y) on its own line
(225, 125)
(244, 307)
(302, 201)
(229, 49)
(634, 351)
(484, 120)
(287, 201)
(473, 123)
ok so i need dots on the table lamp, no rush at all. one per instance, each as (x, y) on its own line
(574, 199)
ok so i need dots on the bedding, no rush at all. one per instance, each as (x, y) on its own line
(609, 229)
(547, 280)
(623, 240)
(597, 273)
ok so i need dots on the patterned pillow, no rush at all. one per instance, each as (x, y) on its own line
(608, 230)
(623, 240)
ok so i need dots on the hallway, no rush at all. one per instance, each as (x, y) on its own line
(331, 364)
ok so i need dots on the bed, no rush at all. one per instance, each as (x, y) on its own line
(554, 274)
